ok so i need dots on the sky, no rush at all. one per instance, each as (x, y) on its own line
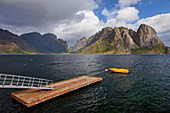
(71, 20)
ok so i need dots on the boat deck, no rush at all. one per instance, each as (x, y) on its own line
(31, 97)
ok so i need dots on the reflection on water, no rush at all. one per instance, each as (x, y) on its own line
(145, 89)
(121, 81)
(119, 74)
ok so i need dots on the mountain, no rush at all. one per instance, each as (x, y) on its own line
(124, 41)
(167, 51)
(118, 40)
(79, 44)
(46, 43)
(11, 43)
(147, 37)
(30, 43)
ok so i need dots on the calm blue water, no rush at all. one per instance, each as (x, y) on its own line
(145, 89)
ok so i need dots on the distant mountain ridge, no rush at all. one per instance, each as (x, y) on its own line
(12, 43)
(30, 43)
(118, 40)
(46, 43)
(124, 41)
(80, 44)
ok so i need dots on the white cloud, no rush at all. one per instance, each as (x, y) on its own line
(124, 16)
(65, 18)
(108, 14)
(159, 22)
(73, 31)
(165, 38)
(161, 25)
(127, 3)
(73, 19)
(41, 13)
(129, 14)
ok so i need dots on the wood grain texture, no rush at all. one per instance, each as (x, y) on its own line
(32, 97)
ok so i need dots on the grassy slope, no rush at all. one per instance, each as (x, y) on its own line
(7, 47)
(106, 45)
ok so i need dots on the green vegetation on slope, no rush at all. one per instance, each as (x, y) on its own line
(125, 41)
(7, 47)
(154, 50)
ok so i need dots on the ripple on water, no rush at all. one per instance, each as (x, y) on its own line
(145, 89)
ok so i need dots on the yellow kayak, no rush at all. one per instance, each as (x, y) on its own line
(116, 70)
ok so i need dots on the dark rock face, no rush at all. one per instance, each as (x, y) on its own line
(30, 42)
(167, 51)
(47, 43)
(147, 37)
(80, 44)
(117, 39)
(8, 37)
(104, 33)
(127, 38)
(121, 40)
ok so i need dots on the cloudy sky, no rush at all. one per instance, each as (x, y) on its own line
(74, 19)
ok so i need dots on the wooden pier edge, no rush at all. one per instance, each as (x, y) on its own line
(23, 96)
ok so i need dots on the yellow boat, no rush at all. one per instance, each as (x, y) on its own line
(116, 70)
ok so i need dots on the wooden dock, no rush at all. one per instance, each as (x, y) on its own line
(31, 97)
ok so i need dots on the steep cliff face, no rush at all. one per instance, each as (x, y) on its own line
(33, 37)
(147, 37)
(117, 40)
(128, 38)
(7, 47)
(123, 40)
(80, 44)
(30, 43)
(12, 40)
(54, 44)
(47, 43)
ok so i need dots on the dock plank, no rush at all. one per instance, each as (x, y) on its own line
(32, 97)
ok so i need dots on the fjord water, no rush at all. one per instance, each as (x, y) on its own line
(145, 89)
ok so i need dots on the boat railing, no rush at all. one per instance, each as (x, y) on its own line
(16, 81)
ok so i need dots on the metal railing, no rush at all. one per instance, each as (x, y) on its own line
(15, 81)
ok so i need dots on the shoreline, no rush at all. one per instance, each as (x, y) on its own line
(80, 54)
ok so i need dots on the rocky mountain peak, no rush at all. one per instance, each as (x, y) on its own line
(32, 33)
(107, 29)
(127, 38)
(7, 33)
(50, 35)
(84, 38)
(10, 39)
(147, 37)
(47, 43)
(121, 40)
(80, 44)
